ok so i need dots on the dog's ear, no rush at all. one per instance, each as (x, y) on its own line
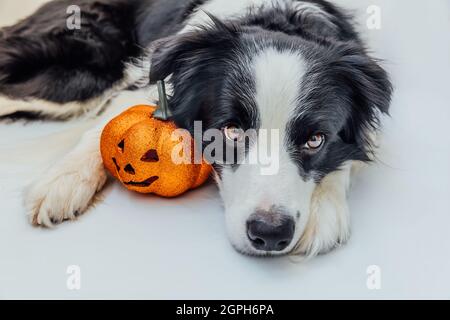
(369, 91)
(170, 52)
(165, 55)
(368, 81)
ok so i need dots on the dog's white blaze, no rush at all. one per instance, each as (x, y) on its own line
(278, 75)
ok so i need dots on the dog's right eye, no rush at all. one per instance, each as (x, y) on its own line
(233, 133)
(315, 142)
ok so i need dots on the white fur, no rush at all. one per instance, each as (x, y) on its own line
(51, 109)
(68, 188)
(329, 221)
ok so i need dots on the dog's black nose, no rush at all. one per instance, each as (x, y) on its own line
(270, 231)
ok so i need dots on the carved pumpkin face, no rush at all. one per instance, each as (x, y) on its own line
(137, 150)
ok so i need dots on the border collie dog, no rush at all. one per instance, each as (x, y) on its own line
(295, 66)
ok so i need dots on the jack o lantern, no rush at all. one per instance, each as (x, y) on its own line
(137, 149)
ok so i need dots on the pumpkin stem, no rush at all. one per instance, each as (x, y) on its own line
(163, 112)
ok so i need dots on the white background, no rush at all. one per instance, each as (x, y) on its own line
(132, 246)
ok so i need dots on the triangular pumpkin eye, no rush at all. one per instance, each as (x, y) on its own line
(129, 169)
(150, 156)
(121, 145)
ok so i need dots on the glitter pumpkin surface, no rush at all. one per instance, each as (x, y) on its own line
(137, 150)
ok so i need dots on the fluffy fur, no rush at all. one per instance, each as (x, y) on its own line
(295, 66)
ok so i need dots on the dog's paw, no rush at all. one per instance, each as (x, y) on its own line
(329, 221)
(328, 228)
(65, 191)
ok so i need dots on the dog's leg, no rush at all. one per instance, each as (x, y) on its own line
(329, 221)
(68, 188)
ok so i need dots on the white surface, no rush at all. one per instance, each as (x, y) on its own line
(132, 246)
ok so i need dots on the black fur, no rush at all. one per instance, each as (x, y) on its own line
(354, 92)
(41, 58)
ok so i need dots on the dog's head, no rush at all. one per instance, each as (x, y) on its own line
(316, 103)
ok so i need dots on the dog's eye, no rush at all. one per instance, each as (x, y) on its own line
(315, 141)
(233, 133)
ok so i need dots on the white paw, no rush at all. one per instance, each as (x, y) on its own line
(329, 221)
(65, 191)
(328, 227)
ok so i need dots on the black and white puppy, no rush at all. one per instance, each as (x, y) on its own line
(295, 66)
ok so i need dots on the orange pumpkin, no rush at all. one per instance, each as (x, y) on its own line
(137, 149)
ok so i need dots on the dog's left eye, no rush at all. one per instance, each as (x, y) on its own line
(233, 133)
(315, 141)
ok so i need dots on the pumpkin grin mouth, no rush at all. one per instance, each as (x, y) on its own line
(142, 184)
